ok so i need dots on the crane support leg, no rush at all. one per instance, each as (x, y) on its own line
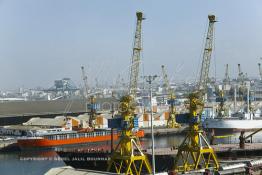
(128, 157)
(195, 153)
(124, 160)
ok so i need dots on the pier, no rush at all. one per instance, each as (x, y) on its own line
(223, 150)
(69, 170)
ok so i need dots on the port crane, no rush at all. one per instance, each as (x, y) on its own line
(92, 106)
(171, 122)
(221, 99)
(195, 152)
(128, 157)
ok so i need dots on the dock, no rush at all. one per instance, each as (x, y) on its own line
(7, 144)
(165, 131)
(69, 170)
(251, 149)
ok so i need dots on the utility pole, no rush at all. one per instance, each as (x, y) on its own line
(149, 80)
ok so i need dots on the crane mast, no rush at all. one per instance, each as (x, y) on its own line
(135, 60)
(166, 82)
(84, 77)
(207, 54)
(195, 151)
(171, 122)
(221, 99)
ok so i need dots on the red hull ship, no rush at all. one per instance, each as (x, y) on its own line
(57, 140)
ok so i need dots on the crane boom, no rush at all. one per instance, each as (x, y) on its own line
(84, 79)
(207, 54)
(166, 82)
(135, 61)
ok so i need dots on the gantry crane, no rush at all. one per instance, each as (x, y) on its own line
(171, 122)
(195, 151)
(84, 77)
(128, 157)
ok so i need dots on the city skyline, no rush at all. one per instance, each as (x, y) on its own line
(41, 41)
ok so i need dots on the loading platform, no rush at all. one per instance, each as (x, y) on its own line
(67, 170)
(251, 149)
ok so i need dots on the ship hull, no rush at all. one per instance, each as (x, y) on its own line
(62, 140)
(232, 124)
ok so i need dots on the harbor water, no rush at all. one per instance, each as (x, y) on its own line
(39, 162)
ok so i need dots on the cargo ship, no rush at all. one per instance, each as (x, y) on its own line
(69, 139)
(234, 122)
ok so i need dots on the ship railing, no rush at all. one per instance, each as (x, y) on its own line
(29, 138)
(78, 135)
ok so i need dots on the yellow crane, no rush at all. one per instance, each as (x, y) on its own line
(221, 95)
(92, 106)
(128, 157)
(171, 122)
(195, 152)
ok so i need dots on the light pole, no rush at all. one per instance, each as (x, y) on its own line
(149, 80)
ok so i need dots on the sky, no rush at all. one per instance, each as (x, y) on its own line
(45, 40)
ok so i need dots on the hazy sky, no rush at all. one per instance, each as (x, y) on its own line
(44, 40)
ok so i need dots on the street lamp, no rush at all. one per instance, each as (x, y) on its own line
(149, 80)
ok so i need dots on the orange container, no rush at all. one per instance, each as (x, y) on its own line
(166, 115)
(154, 108)
(99, 120)
(146, 117)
